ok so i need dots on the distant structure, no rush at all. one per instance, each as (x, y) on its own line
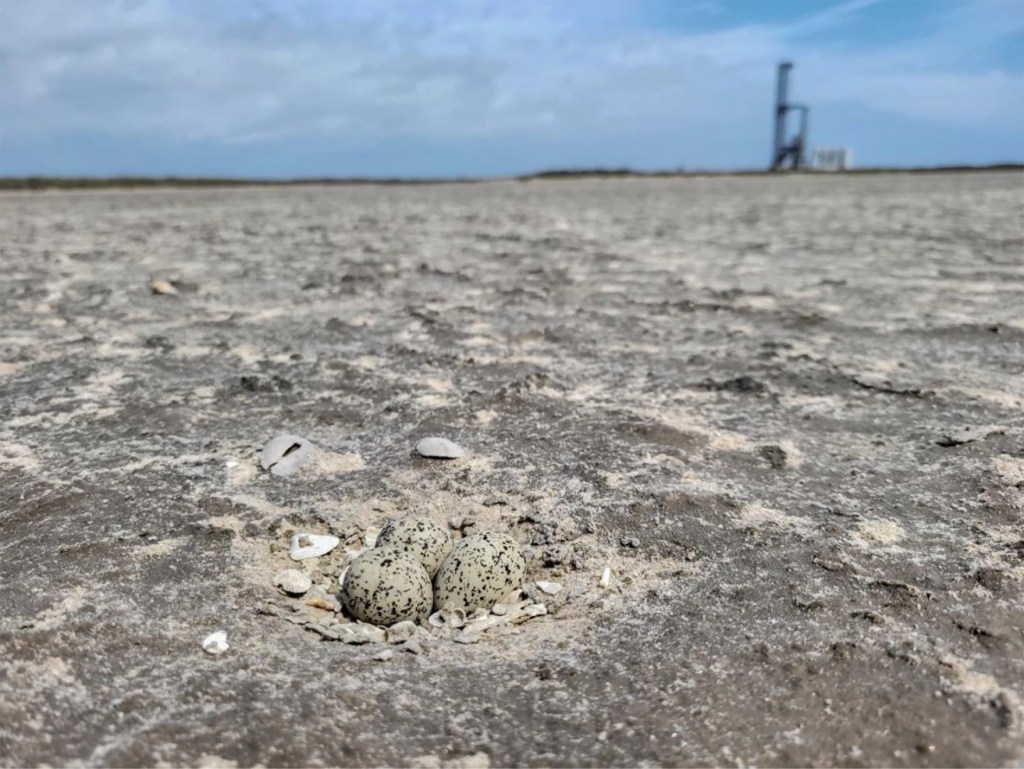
(832, 159)
(787, 153)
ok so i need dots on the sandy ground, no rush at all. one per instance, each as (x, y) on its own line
(786, 413)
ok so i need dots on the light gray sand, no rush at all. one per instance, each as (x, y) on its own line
(786, 412)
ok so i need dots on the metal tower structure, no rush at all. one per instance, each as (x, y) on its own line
(788, 153)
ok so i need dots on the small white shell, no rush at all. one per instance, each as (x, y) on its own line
(216, 643)
(606, 577)
(311, 545)
(439, 448)
(370, 538)
(162, 287)
(499, 609)
(436, 619)
(286, 454)
(551, 588)
(293, 581)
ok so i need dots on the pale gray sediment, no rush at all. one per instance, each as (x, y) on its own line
(766, 433)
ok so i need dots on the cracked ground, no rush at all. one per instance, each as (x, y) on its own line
(785, 414)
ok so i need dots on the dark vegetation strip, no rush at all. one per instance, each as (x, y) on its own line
(31, 183)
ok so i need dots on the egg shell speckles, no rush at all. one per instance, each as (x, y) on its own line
(386, 585)
(479, 571)
(421, 537)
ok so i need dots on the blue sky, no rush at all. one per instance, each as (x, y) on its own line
(299, 88)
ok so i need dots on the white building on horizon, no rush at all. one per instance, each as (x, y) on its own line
(832, 159)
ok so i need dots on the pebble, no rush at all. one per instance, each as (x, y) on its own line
(216, 643)
(551, 588)
(606, 577)
(293, 581)
(439, 448)
(308, 545)
(384, 656)
(286, 454)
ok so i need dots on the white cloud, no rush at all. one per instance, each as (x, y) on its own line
(236, 72)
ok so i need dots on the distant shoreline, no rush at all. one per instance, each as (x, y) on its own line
(35, 183)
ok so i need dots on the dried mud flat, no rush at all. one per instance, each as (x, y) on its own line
(786, 412)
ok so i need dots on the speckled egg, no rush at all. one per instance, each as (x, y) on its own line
(386, 585)
(420, 536)
(479, 571)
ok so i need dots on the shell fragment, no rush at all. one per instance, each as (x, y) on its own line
(285, 455)
(439, 448)
(551, 588)
(312, 545)
(216, 643)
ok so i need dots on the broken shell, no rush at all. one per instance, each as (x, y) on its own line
(551, 588)
(535, 610)
(320, 598)
(162, 287)
(439, 448)
(606, 577)
(420, 536)
(499, 609)
(467, 638)
(384, 655)
(371, 536)
(216, 643)
(311, 545)
(358, 633)
(436, 619)
(401, 632)
(386, 585)
(286, 454)
(293, 581)
(480, 570)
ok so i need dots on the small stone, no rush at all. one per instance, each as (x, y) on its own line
(499, 609)
(439, 448)
(358, 633)
(606, 577)
(456, 522)
(413, 647)
(307, 545)
(467, 638)
(285, 455)
(370, 537)
(631, 542)
(293, 581)
(216, 643)
(384, 656)
(551, 588)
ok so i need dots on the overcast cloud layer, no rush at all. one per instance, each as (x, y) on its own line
(417, 88)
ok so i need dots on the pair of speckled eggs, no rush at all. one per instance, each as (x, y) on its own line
(414, 566)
